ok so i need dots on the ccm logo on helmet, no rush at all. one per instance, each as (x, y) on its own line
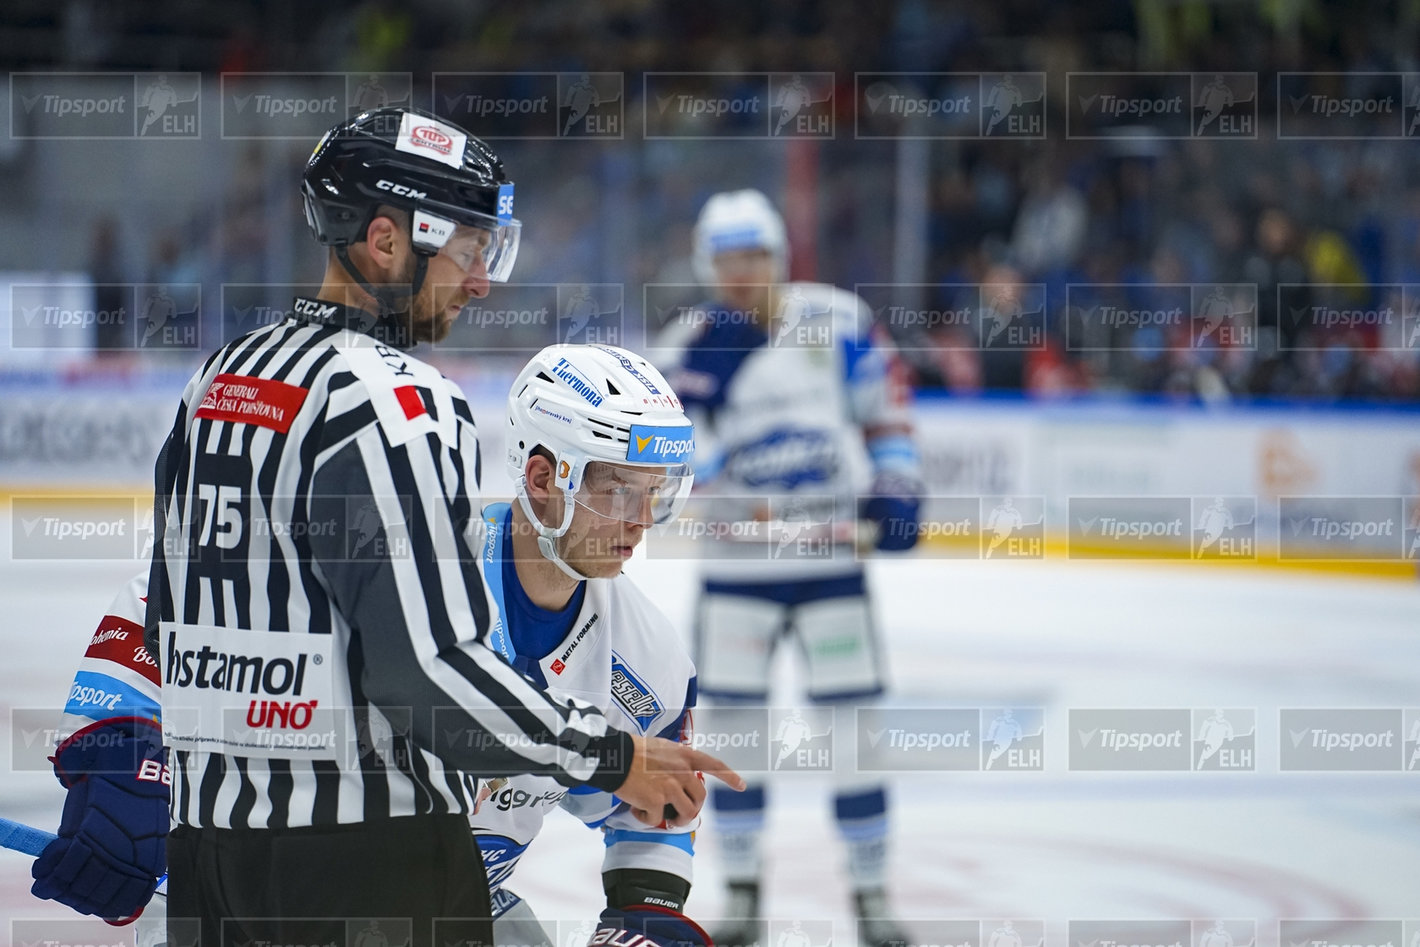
(400, 189)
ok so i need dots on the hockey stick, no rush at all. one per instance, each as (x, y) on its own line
(19, 837)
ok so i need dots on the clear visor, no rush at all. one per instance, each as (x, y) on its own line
(485, 250)
(645, 496)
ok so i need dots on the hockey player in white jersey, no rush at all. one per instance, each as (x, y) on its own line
(565, 616)
(801, 419)
(598, 448)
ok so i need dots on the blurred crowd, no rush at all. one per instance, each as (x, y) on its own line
(1333, 223)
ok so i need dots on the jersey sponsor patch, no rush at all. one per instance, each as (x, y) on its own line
(121, 641)
(244, 399)
(432, 231)
(655, 444)
(632, 694)
(431, 138)
(249, 693)
(411, 401)
(99, 697)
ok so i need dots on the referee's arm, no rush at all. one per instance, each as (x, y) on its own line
(414, 596)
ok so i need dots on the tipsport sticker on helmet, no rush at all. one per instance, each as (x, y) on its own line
(505, 202)
(431, 138)
(654, 444)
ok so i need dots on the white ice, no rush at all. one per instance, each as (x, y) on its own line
(1052, 845)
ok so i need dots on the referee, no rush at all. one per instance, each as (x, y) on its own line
(316, 604)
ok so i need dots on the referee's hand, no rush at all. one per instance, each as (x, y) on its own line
(665, 781)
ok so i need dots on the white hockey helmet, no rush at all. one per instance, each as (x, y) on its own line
(738, 220)
(597, 410)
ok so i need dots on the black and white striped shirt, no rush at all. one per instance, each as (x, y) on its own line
(317, 603)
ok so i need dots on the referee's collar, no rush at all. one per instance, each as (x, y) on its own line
(388, 329)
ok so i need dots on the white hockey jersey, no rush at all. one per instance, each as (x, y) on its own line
(622, 656)
(790, 423)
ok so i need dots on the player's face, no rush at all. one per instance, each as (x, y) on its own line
(745, 277)
(612, 505)
(456, 274)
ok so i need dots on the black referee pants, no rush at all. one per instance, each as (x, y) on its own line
(416, 880)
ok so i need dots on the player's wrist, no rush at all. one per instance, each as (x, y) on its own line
(615, 754)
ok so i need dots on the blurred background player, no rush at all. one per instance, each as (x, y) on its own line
(798, 406)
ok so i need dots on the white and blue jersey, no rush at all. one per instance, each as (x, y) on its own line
(613, 648)
(791, 421)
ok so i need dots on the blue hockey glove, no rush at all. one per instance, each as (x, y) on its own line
(895, 506)
(112, 843)
(661, 926)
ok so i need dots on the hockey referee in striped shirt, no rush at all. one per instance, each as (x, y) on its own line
(316, 604)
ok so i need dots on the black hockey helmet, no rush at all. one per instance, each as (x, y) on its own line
(411, 159)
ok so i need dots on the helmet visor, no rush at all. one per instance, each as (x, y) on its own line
(645, 496)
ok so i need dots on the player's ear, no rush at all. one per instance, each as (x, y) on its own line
(538, 471)
(384, 237)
